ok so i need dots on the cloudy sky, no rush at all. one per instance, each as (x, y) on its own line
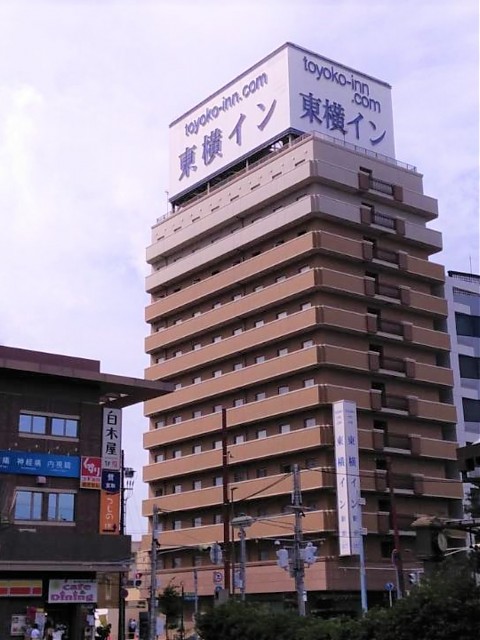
(87, 91)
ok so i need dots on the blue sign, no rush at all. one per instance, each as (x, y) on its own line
(390, 586)
(110, 481)
(39, 464)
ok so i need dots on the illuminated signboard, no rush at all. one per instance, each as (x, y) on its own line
(347, 469)
(112, 439)
(39, 464)
(291, 90)
(72, 590)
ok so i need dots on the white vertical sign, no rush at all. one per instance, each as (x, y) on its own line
(112, 439)
(348, 477)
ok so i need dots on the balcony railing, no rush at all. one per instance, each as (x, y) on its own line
(383, 220)
(402, 481)
(398, 403)
(397, 441)
(388, 291)
(386, 255)
(381, 186)
(388, 326)
(392, 364)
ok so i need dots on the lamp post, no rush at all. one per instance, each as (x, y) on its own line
(241, 523)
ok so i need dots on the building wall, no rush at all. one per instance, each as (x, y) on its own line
(303, 281)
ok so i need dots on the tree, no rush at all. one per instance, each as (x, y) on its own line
(170, 604)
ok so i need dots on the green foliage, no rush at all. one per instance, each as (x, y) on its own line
(170, 604)
(444, 607)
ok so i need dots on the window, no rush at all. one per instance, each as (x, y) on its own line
(305, 306)
(217, 518)
(239, 439)
(197, 521)
(59, 427)
(258, 288)
(196, 414)
(35, 505)
(237, 331)
(263, 555)
(177, 354)
(177, 453)
(261, 433)
(177, 524)
(217, 481)
(467, 325)
(304, 269)
(197, 346)
(283, 389)
(281, 314)
(259, 323)
(177, 386)
(177, 419)
(177, 488)
(217, 407)
(217, 305)
(238, 402)
(309, 382)
(284, 428)
(217, 373)
(197, 484)
(262, 473)
(469, 367)
(307, 343)
(217, 444)
(259, 359)
(197, 448)
(237, 296)
(61, 507)
(159, 457)
(282, 352)
(217, 339)
(260, 396)
(471, 410)
(381, 464)
(237, 366)
(309, 422)
(286, 468)
(280, 279)
(240, 476)
(159, 423)
(195, 314)
(310, 463)
(197, 379)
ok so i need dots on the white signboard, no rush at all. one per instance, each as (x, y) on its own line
(75, 590)
(112, 439)
(292, 90)
(347, 469)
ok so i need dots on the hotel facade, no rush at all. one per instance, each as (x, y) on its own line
(293, 272)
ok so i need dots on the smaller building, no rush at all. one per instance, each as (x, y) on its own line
(62, 548)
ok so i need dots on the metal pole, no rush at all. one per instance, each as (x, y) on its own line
(232, 540)
(195, 589)
(363, 575)
(121, 599)
(298, 563)
(397, 555)
(152, 619)
(226, 505)
(243, 561)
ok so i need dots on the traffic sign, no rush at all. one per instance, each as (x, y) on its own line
(217, 577)
(390, 586)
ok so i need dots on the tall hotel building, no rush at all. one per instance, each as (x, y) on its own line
(293, 272)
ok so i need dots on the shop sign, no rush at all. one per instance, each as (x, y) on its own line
(72, 590)
(91, 470)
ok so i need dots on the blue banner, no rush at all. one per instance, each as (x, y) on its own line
(39, 464)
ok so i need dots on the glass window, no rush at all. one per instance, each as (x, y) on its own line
(65, 427)
(284, 428)
(282, 352)
(471, 410)
(307, 343)
(261, 433)
(197, 521)
(217, 373)
(160, 457)
(217, 518)
(262, 473)
(61, 507)
(259, 359)
(309, 382)
(282, 314)
(177, 524)
(259, 323)
(217, 339)
(309, 422)
(239, 439)
(283, 389)
(177, 419)
(305, 306)
(197, 484)
(469, 367)
(467, 325)
(32, 424)
(177, 453)
(196, 380)
(177, 488)
(197, 448)
(238, 402)
(280, 279)
(197, 346)
(237, 331)
(217, 481)
(196, 414)
(159, 423)
(217, 408)
(237, 366)
(177, 354)
(28, 505)
(177, 386)
(260, 396)
(217, 444)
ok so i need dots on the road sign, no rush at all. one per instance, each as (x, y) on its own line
(390, 586)
(217, 577)
(189, 596)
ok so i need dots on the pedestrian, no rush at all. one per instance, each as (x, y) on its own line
(35, 632)
(132, 627)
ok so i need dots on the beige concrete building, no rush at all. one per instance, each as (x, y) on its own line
(299, 280)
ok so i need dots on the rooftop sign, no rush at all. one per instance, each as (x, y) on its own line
(292, 90)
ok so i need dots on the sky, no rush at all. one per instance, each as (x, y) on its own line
(88, 89)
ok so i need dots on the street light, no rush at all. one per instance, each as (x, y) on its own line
(241, 523)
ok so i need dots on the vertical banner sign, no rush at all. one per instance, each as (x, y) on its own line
(112, 439)
(109, 513)
(348, 477)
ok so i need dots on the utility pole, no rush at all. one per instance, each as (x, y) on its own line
(152, 619)
(298, 564)
(226, 505)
